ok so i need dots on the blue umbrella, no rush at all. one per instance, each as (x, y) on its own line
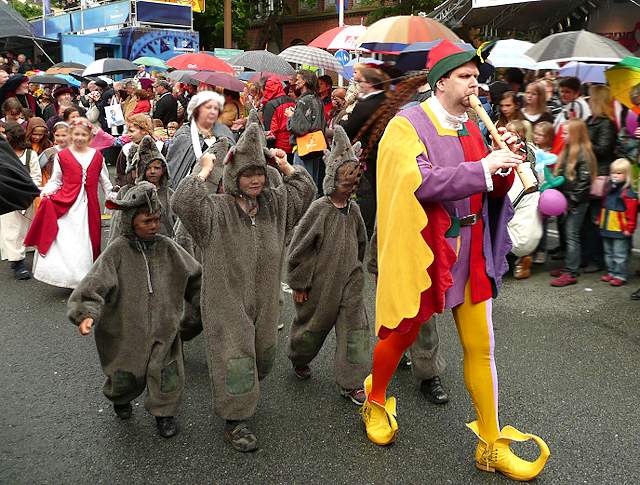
(348, 68)
(70, 79)
(414, 56)
(587, 73)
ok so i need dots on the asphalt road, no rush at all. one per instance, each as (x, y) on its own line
(568, 361)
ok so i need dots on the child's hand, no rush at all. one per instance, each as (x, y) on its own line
(626, 233)
(300, 296)
(281, 161)
(206, 162)
(85, 326)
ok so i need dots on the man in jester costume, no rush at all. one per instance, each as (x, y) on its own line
(442, 242)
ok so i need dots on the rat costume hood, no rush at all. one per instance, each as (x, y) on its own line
(250, 151)
(141, 195)
(341, 152)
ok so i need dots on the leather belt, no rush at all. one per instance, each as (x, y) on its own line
(469, 220)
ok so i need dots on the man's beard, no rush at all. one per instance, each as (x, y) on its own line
(297, 91)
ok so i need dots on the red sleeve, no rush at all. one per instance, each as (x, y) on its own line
(631, 213)
(501, 185)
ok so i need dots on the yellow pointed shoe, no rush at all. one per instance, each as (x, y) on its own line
(380, 422)
(498, 456)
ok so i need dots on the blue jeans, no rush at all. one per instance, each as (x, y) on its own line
(573, 224)
(616, 256)
(315, 167)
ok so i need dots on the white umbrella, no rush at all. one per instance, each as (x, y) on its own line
(312, 56)
(109, 65)
(587, 73)
(511, 53)
(581, 46)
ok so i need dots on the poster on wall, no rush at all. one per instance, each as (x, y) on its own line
(495, 3)
(163, 44)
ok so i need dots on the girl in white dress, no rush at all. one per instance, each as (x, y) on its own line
(66, 229)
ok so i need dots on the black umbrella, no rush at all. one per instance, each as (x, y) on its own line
(17, 190)
(48, 79)
(183, 76)
(263, 61)
(109, 65)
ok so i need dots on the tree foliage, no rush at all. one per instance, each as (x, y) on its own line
(210, 24)
(400, 7)
(27, 10)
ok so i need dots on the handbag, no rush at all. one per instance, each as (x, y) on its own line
(311, 142)
(114, 115)
(598, 187)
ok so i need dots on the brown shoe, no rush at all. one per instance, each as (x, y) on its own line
(523, 268)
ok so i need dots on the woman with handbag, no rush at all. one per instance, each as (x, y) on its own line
(306, 122)
(602, 133)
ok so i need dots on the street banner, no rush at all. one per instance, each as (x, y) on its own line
(495, 3)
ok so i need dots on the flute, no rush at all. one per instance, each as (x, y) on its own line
(527, 177)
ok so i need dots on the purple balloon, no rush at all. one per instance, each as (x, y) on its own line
(552, 203)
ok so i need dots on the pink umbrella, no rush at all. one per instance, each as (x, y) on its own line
(200, 61)
(344, 37)
(220, 79)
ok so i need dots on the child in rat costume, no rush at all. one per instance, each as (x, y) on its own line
(242, 234)
(148, 164)
(326, 274)
(136, 294)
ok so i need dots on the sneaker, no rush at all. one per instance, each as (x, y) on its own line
(616, 282)
(357, 396)
(540, 257)
(564, 279)
(303, 373)
(123, 411)
(20, 271)
(238, 434)
(606, 278)
(167, 426)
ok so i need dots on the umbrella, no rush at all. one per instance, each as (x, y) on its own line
(345, 37)
(48, 79)
(65, 68)
(511, 53)
(414, 56)
(109, 65)
(622, 78)
(392, 34)
(348, 67)
(71, 80)
(303, 54)
(181, 76)
(150, 62)
(580, 46)
(587, 73)
(221, 79)
(263, 61)
(200, 62)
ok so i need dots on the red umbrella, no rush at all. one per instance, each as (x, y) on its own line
(345, 37)
(200, 62)
(220, 79)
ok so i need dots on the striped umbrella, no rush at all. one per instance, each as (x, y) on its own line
(312, 56)
(345, 37)
(392, 34)
(109, 65)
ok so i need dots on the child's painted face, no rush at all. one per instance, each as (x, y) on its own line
(154, 172)
(80, 137)
(146, 226)
(346, 179)
(61, 137)
(617, 176)
(252, 181)
(37, 135)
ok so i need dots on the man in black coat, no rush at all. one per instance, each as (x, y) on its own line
(166, 109)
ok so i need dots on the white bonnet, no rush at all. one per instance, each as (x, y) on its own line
(204, 97)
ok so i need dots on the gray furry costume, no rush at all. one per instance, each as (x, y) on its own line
(427, 361)
(140, 157)
(326, 259)
(136, 293)
(242, 260)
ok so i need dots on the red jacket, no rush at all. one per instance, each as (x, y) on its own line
(275, 103)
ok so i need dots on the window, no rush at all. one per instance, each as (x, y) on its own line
(308, 5)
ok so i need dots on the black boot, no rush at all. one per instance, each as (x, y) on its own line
(636, 295)
(20, 270)
(167, 426)
(433, 391)
(123, 411)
